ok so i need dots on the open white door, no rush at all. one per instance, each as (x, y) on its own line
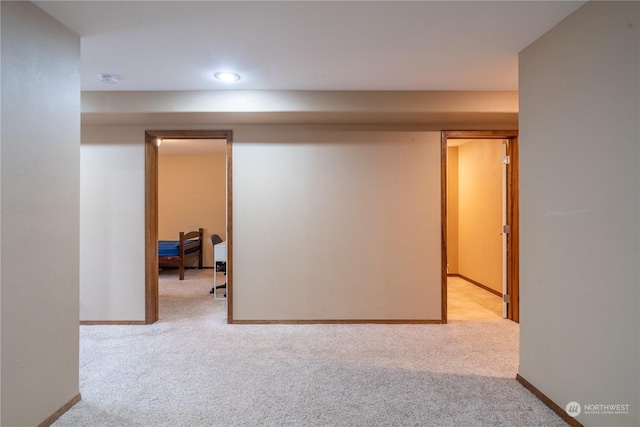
(505, 228)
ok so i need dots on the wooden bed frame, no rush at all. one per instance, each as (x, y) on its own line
(182, 251)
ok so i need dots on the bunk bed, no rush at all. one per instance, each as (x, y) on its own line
(177, 252)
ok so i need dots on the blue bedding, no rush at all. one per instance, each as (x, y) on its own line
(172, 247)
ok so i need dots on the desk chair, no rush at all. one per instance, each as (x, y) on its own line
(217, 265)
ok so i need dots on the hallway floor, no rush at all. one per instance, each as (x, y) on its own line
(192, 368)
(466, 301)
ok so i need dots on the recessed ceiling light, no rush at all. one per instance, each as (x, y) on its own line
(109, 79)
(227, 77)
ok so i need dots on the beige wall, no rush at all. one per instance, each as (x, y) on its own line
(452, 210)
(112, 224)
(342, 225)
(39, 209)
(192, 195)
(480, 212)
(257, 234)
(116, 119)
(579, 204)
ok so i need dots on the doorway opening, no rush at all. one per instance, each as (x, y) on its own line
(152, 142)
(480, 221)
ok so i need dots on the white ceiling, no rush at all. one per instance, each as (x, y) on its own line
(306, 45)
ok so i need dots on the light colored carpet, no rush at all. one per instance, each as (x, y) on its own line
(192, 369)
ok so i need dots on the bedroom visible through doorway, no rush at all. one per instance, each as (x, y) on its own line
(191, 196)
(187, 189)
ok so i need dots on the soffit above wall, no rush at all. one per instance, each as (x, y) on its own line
(437, 121)
(445, 109)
